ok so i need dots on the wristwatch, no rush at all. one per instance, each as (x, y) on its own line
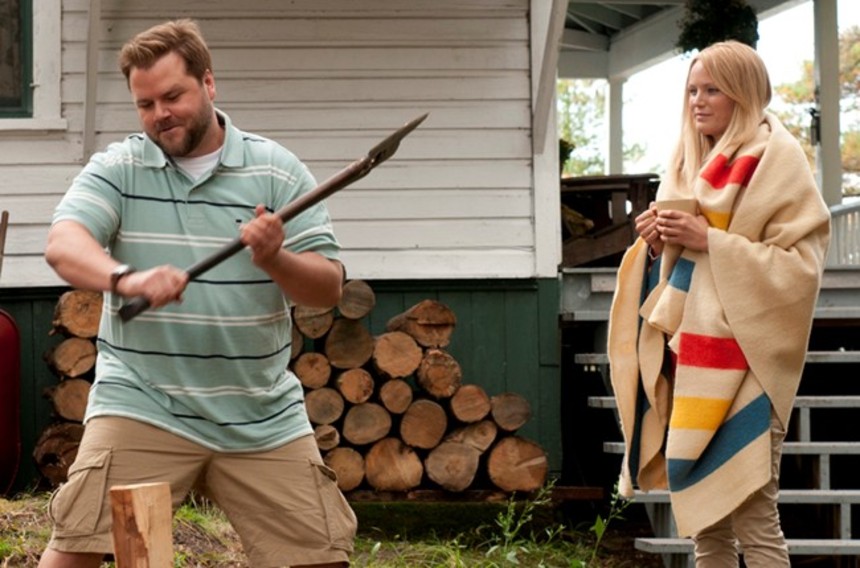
(118, 274)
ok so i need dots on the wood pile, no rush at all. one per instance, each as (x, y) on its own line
(390, 412)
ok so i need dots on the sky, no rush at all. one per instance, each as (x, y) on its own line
(785, 41)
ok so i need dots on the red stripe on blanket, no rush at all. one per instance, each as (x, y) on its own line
(713, 352)
(719, 173)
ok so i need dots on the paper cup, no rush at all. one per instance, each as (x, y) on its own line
(686, 205)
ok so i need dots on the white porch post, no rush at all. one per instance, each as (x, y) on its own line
(614, 113)
(827, 151)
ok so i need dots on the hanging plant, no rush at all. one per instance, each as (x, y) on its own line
(709, 21)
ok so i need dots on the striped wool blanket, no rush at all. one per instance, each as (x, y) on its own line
(705, 347)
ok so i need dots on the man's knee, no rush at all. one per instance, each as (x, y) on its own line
(58, 559)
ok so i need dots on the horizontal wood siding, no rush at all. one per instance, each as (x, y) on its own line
(329, 79)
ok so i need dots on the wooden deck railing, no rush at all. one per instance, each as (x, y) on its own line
(845, 235)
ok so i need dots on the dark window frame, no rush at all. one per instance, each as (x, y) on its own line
(22, 106)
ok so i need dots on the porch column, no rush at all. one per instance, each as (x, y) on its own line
(827, 152)
(614, 113)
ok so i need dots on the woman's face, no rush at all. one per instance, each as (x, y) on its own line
(710, 107)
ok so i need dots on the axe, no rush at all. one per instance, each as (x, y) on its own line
(353, 172)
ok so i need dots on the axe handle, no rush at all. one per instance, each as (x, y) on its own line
(338, 181)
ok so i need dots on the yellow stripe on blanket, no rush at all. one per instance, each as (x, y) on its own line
(717, 219)
(699, 413)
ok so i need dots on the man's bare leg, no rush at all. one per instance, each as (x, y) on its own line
(56, 559)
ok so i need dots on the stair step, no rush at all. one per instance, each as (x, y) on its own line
(817, 401)
(811, 357)
(792, 496)
(796, 546)
(797, 448)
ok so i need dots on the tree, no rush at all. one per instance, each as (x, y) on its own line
(582, 127)
(800, 99)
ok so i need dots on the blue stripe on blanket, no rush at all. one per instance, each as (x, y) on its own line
(682, 274)
(741, 429)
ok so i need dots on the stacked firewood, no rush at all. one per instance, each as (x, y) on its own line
(390, 412)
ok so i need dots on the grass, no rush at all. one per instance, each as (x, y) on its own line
(515, 533)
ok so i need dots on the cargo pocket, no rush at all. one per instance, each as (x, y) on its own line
(78, 504)
(340, 518)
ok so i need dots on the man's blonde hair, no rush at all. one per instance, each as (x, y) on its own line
(182, 37)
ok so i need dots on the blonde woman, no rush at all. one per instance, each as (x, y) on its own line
(712, 314)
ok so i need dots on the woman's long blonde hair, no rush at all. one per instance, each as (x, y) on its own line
(739, 72)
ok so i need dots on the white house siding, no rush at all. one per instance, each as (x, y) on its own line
(329, 79)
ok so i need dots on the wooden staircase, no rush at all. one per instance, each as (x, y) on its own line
(820, 495)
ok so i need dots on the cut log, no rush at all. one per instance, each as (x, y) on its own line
(510, 410)
(348, 344)
(423, 424)
(391, 465)
(69, 398)
(312, 369)
(470, 404)
(517, 464)
(479, 435)
(77, 314)
(395, 395)
(327, 437)
(439, 373)
(56, 450)
(396, 355)
(357, 300)
(431, 323)
(324, 405)
(356, 385)
(142, 527)
(366, 423)
(298, 342)
(452, 465)
(313, 322)
(73, 357)
(348, 464)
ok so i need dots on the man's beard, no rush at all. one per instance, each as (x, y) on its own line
(195, 131)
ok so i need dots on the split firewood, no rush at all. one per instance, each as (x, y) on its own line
(327, 437)
(423, 424)
(312, 369)
(348, 464)
(73, 357)
(77, 314)
(391, 465)
(470, 403)
(510, 410)
(356, 385)
(357, 300)
(439, 373)
(142, 531)
(396, 395)
(396, 355)
(517, 464)
(479, 435)
(430, 322)
(452, 465)
(313, 322)
(69, 398)
(324, 405)
(366, 423)
(349, 344)
(56, 449)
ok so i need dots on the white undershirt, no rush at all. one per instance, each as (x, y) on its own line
(197, 166)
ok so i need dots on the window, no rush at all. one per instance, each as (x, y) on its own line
(16, 61)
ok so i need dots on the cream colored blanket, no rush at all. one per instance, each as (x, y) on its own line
(736, 320)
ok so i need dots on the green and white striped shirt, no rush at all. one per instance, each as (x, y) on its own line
(212, 369)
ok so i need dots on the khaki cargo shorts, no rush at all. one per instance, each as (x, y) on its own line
(284, 504)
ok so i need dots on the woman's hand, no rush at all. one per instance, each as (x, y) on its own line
(679, 228)
(646, 225)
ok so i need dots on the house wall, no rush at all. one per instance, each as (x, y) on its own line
(329, 79)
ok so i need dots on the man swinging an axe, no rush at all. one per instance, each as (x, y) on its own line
(197, 393)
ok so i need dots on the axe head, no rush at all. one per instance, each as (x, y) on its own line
(387, 147)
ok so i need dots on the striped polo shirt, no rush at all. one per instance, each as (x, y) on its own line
(213, 368)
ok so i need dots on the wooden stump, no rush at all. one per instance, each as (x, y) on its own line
(517, 464)
(479, 435)
(391, 465)
(396, 355)
(423, 424)
(142, 525)
(78, 313)
(439, 373)
(395, 395)
(452, 465)
(56, 449)
(470, 404)
(510, 410)
(431, 323)
(348, 464)
(73, 357)
(356, 385)
(349, 344)
(324, 405)
(366, 423)
(69, 398)
(313, 322)
(326, 436)
(312, 369)
(357, 300)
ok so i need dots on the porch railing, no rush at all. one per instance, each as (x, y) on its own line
(845, 235)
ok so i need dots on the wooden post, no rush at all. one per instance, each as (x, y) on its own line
(142, 525)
